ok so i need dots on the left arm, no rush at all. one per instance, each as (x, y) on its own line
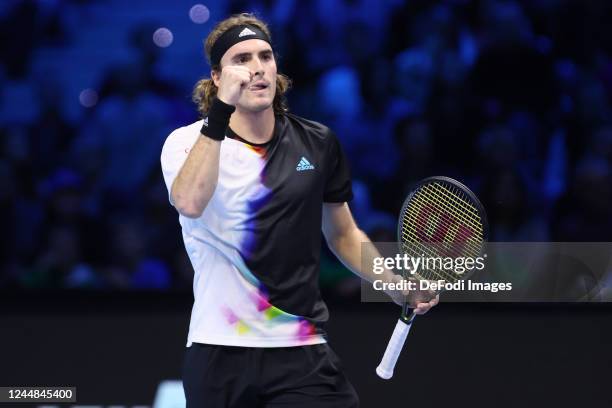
(351, 246)
(347, 241)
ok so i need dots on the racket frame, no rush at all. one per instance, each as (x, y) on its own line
(385, 369)
(407, 312)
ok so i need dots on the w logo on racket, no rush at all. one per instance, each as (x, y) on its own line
(435, 225)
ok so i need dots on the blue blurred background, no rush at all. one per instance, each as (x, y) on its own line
(511, 97)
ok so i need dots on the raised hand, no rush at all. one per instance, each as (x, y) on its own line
(233, 80)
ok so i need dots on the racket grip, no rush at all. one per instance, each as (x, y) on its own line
(394, 348)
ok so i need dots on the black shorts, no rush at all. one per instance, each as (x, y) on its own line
(235, 377)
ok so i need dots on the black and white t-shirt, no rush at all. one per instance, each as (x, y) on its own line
(255, 250)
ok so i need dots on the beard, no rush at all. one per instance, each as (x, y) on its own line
(256, 103)
(257, 106)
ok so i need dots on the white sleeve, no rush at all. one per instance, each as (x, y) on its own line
(174, 153)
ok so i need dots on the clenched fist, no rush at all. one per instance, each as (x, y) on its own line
(233, 80)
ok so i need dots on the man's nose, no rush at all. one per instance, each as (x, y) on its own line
(257, 66)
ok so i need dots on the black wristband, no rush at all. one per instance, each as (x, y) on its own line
(215, 123)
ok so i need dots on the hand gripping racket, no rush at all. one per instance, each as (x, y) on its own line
(440, 218)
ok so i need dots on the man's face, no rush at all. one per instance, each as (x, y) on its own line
(258, 57)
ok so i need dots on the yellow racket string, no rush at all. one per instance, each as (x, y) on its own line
(444, 208)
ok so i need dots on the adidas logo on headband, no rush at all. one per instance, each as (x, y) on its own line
(233, 36)
(245, 32)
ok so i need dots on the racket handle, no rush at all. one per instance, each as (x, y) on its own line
(394, 348)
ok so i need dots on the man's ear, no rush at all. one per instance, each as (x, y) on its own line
(216, 77)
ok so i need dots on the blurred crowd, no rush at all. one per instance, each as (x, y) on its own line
(513, 98)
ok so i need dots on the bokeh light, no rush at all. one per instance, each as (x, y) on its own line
(88, 98)
(162, 37)
(199, 14)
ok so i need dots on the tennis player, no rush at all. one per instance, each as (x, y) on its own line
(254, 185)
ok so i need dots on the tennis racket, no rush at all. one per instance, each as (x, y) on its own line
(440, 218)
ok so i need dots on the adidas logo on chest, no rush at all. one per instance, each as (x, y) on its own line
(304, 165)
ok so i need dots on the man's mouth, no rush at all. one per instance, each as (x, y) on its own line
(258, 86)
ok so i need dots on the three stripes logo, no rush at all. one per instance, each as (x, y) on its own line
(304, 165)
(206, 121)
(246, 32)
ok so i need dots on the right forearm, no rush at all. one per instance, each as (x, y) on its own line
(197, 179)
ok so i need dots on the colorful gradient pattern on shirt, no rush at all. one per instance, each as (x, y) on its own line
(269, 313)
(261, 197)
(256, 248)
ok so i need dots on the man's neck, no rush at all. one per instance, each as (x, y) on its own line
(254, 127)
